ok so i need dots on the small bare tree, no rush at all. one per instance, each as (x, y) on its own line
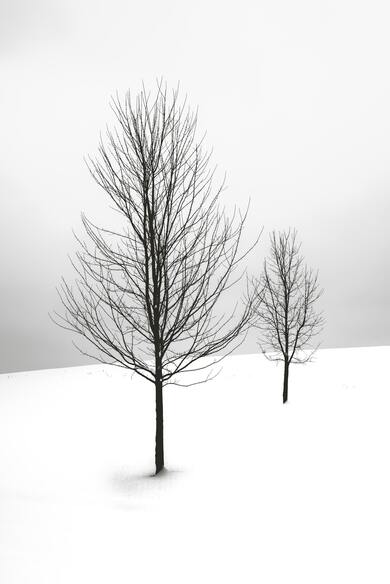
(146, 295)
(284, 311)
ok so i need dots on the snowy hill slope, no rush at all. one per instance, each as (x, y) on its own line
(255, 491)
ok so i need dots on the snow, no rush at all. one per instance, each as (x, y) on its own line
(256, 491)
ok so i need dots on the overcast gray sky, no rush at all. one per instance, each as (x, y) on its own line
(294, 97)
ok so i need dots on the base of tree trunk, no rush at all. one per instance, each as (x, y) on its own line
(159, 444)
(285, 382)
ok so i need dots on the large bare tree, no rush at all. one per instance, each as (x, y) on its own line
(145, 296)
(285, 309)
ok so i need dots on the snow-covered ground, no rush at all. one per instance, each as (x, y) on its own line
(255, 491)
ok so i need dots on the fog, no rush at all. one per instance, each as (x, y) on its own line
(294, 98)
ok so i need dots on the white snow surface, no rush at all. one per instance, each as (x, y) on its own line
(255, 491)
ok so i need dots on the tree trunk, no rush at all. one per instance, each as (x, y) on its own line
(285, 381)
(159, 452)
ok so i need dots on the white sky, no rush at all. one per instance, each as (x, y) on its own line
(295, 100)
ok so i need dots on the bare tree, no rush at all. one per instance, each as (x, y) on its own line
(284, 311)
(145, 296)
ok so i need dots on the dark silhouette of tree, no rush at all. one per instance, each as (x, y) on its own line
(284, 311)
(145, 297)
